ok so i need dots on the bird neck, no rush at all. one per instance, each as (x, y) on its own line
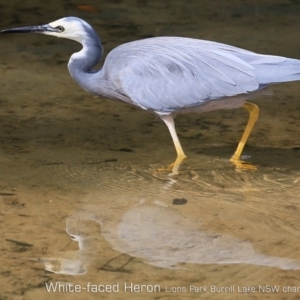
(81, 63)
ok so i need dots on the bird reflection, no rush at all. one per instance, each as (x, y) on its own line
(157, 234)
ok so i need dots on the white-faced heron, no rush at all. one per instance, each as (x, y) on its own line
(167, 75)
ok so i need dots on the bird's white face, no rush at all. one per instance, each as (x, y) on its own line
(69, 28)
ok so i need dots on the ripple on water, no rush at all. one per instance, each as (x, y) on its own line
(217, 180)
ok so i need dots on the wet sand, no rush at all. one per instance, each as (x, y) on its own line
(75, 165)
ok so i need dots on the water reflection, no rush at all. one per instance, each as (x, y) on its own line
(156, 233)
(131, 223)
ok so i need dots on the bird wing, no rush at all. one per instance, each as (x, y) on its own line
(166, 74)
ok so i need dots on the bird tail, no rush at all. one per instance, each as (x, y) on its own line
(276, 69)
(272, 69)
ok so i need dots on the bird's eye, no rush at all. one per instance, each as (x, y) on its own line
(60, 28)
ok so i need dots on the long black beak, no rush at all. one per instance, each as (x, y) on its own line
(38, 29)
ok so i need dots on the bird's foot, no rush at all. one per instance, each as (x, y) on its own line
(242, 165)
(174, 167)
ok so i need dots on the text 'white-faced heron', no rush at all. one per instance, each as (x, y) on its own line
(167, 75)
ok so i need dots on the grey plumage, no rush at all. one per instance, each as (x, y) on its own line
(166, 74)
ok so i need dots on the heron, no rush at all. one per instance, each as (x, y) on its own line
(171, 75)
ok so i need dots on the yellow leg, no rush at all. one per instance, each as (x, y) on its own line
(253, 111)
(169, 121)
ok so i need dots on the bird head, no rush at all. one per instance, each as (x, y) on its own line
(72, 28)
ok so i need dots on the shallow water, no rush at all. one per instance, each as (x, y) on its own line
(85, 197)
